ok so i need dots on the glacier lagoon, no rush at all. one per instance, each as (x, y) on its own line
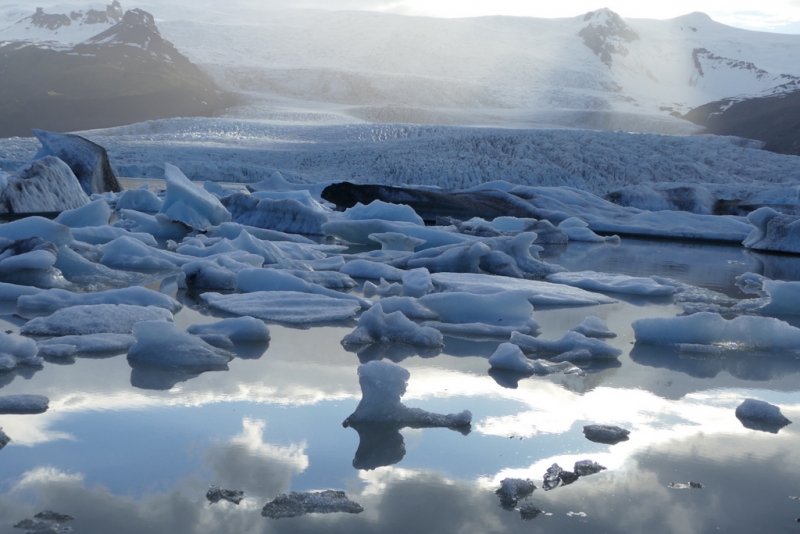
(134, 450)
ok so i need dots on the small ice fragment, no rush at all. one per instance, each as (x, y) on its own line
(284, 306)
(513, 490)
(163, 344)
(607, 434)
(375, 326)
(297, 504)
(567, 477)
(55, 517)
(509, 356)
(552, 477)
(576, 514)
(235, 329)
(571, 341)
(594, 327)
(58, 350)
(690, 485)
(585, 468)
(396, 241)
(23, 404)
(216, 494)
(94, 319)
(529, 511)
(4, 439)
(759, 415)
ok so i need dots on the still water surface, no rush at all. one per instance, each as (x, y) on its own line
(124, 450)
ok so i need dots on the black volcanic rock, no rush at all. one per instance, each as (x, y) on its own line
(775, 119)
(127, 73)
(487, 204)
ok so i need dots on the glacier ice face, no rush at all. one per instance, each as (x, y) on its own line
(162, 344)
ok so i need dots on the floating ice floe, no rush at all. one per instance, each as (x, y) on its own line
(386, 211)
(577, 230)
(572, 346)
(132, 255)
(159, 225)
(100, 235)
(140, 199)
(95, 213)
(79, 270)
(43, 185)
(159, 343)
(496, 314)
(384, 289)
(16, 350)
(89, 161)
(284, 306)
(594, 327)
(375, 326)
(706, 328)
(417, 283)
(513, 490)
(382, 385)
(612, 283)
(509, 357)
(777, 297)
(56, 299)
(556, 476)
(252, 280)
(396, 241)
(270, 253)
(584, 468)
(372, 270)
(297, 504)
(232, 230)
(94, 319)
(610, 435)
(773, 231)
(284, 215)
(303, 196)
(12, 292)
(408, 306)
(189, 204)
(328, 279)
(38, 227)
(26, 254)
(23, 404)
(86, 344)
(759, 415)
(540, 292)
(216, 494)
(207, 274)
(359, 232)
(529, 511)
(236, 329)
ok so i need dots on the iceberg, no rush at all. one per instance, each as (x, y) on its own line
(396, 241)
(584, 468)
(16, 350)
(252, 280)
(283, 215)
(162, 344)
(382, 386)
(189, 204)
(89, 161)
(572, 343)
(509, 357)
(95, 213)
(509, 309)
(23, 404)
(236, 329)
(43, 185)
(386, 211)
(759, 415)
(87, 344)
(56, 299)
(36, 226)
(372, 270)
(375, 326)
(284, 306)
(322, 502)
(140, 200)
(773, 231)
(594, 327)
(613, 283)
(610, 435)
(417, 283)
(577, 230)
(513, 490)
(359, 232)
(94, 319)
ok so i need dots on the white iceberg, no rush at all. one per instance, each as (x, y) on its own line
(284, 306)
(100, 235)
(56, 299)
(162, 344)
(283, 215)
(578, 230)
(43, 185)
(12, 292)
(95, 213)
(189, 204)
(16, 350)
(594, 327)
(612, 283)
(396, 241)
(773, 231)
(378, 209)
(507, 311)
(94, 319)
(252, 280)
(36, 226)
(417, 283)
(382, 386)
(509, 357)
(140, 200)
(569, 343)
(375, 326)
(359, 232)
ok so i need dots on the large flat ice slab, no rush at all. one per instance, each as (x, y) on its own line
(284, 306)
(94, 319)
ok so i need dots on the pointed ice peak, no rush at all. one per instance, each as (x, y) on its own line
(606, 34)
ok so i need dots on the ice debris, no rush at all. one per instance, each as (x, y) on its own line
(252, 280)
(284, 306)
(773, 231)
(382, 385)
(680, 485)
(556, 476)
(4, 439)
(189, 204)
(41, 186)
(612, 283)
(372, 270)
(577, 230)
(94, 319)
(759, 415)
(585, 468)
(16, 350)
(23, 404)
(571, 346)
(297, 504)
(610, 435)
(216, 494)
(396, 241)
(282, 215)
(159, 343)
(377, 209)
(513, 490)
(93, 214)
(509, 311)
(140, 200)
(510, 358)
(594, 327)
(384, 289)
(376, 326)
(777, 297)
(529, 511)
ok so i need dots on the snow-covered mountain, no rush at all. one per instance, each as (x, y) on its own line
(125, 72)
(597, 70)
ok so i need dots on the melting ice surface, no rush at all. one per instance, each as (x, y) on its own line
(134, 448)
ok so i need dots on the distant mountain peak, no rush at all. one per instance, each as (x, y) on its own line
(137, 28)
(606, 34)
